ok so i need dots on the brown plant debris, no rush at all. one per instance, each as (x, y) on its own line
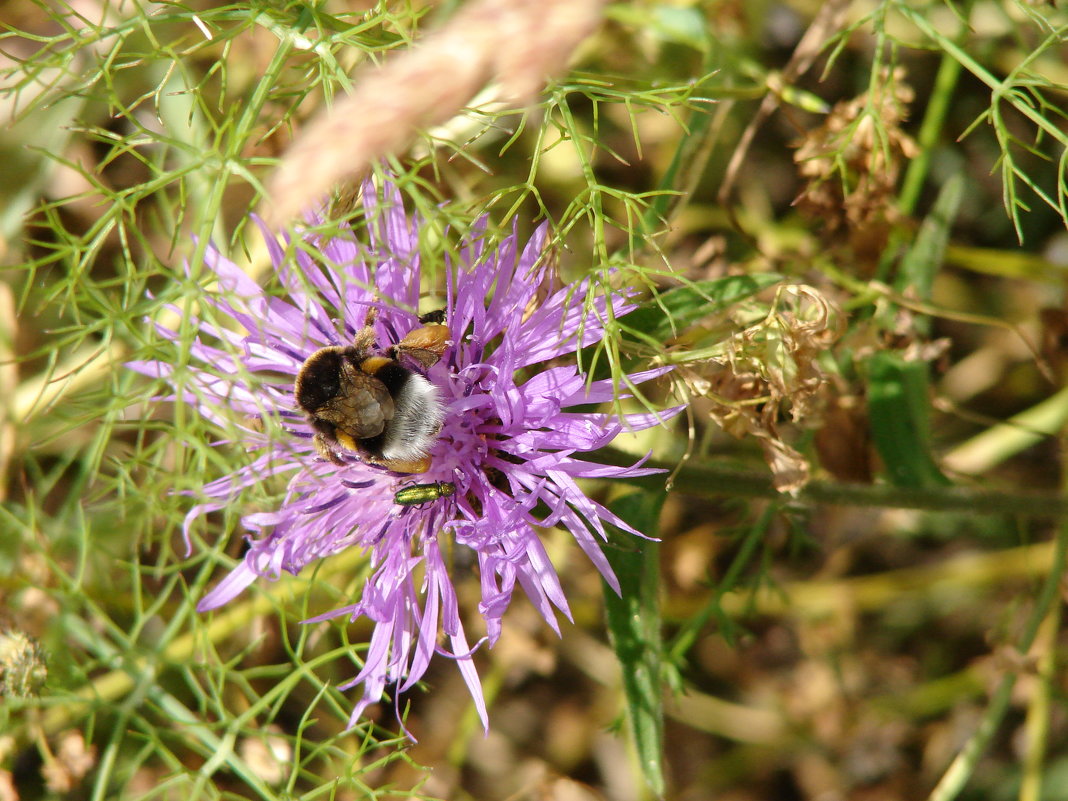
(7, 787)
(851, 165)
(843, 442)
(269, 756)
(770, 370)
(71, 763)
(517, 43)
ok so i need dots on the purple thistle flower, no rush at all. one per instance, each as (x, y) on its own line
(507, 443)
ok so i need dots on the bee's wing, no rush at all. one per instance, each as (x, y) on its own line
(362, 407)
(419, 359)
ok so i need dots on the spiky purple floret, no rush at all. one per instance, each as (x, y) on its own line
(508, 441)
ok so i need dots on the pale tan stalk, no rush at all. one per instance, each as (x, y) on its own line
(515, 44)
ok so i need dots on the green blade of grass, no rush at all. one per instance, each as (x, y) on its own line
(898, 388)
(898, 410)
(634, 629)
(924, 259)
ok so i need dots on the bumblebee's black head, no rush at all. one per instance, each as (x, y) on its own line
(319, 379)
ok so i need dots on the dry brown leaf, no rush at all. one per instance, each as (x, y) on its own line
(789, 469)
(517, 43)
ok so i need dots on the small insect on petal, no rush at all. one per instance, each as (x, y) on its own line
(418, 494)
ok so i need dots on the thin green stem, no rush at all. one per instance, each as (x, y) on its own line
(964, 765)
(711, 481)
(930, 130)
(1037, 726)
(685, 639)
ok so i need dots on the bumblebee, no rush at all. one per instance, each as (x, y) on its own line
(380, 406)
(418, 494)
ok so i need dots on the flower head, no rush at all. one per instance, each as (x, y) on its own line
(503, 462)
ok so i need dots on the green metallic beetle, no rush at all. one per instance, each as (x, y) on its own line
(418, 494)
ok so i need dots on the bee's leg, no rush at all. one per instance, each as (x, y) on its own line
(410, 466)
(325, 449)
(365, 337)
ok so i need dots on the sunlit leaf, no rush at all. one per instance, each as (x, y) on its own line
(670, 312)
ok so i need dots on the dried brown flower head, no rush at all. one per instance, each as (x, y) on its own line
(771, 370)
(851, 165)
